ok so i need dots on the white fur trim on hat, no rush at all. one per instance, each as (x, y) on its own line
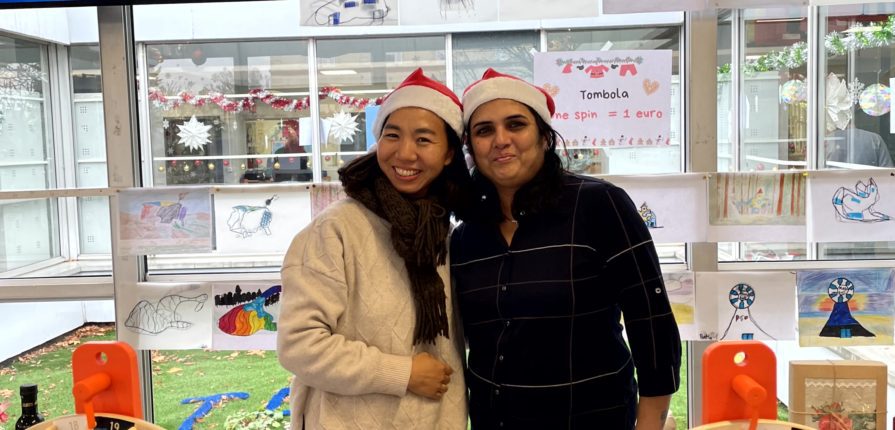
(501, 87)
(421, 97)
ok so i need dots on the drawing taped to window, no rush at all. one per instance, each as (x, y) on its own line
(322, 13)
(649, 217)
(841, 323)
(155, 221)
(741, 298)
(259, 222)
(846, 307)
(245, 316)
(757, 199)
(150, 318)
(857, 205)
(250, 317)
(246, 220)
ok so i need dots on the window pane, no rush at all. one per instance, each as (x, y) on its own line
(365, 69)
(28, 227)
(664, 159)
(24, 122)
(726, 128)
(94, 227)
(224, 112)
(773, 106)
(508, 52)
(28, 232)
(859, 135)
(773, 111)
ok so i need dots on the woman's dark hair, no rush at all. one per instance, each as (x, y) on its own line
(451, 188)
(542, 192)
(453, 185)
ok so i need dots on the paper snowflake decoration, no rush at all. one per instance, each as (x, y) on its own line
(165, 124)
(194, 134)
(839, 103)
(343, 126)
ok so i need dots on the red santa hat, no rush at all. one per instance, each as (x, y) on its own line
(422, 92)
(495, 85)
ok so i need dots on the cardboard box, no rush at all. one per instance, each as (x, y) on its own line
(850, 392)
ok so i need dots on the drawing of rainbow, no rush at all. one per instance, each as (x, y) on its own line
(250, 318)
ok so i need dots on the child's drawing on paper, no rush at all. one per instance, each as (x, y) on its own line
(246, 316)
(742, 324)
(679, 286)
(841, 323)
(857, 205)
(156, 221)
(649, 217)
(164, 315)
(252, 317)
(323, 195)
(152, 318)
(846, 307)
(246, 220)
(757, 199)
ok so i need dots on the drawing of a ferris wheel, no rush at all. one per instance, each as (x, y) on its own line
(741, 296)
(841, 290)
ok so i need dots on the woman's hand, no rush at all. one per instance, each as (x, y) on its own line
(429, 376)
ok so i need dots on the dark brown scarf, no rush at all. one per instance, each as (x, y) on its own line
(419, 233)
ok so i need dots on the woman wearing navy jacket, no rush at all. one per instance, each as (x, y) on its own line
(544, 271)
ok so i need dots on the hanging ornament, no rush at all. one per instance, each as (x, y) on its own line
(839, 104)
(793, 91)
(875, 100)
(227, 163)
(276, 165)
(186, 167)
(343, 126)
(161, 168)
(210, 166)
(242, 166)
(197, 163)
(194, 134)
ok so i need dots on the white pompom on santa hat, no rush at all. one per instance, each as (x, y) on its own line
(495, 85)
(422, 92)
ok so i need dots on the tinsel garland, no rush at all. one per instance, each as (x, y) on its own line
(836, 43)
(162, 101)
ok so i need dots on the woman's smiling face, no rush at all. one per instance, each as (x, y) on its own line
(506, 143)
(413, 150)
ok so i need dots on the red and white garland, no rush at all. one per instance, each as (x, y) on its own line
(161, 101)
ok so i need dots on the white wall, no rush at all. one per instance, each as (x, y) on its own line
(26, 325)
(233, 21)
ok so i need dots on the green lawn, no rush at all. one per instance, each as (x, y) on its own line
(176, 375)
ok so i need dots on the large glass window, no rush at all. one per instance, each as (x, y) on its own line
(772, 101)
(228, 112)
(28, 228)
(508, 52)
(854, 126)
(355, 72)
(94, 227)
(773, 104)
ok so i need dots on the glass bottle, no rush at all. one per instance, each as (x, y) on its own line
(30, 416)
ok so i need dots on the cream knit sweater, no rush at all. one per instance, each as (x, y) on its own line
(346, 330)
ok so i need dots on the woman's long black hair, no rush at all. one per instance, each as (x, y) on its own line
(451, 188)
(541, 193)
